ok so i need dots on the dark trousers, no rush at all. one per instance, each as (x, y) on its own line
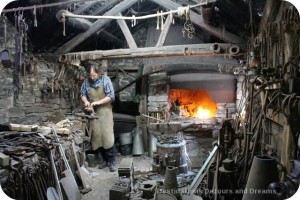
(107, 155)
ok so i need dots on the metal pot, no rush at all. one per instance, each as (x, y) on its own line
(5, 58)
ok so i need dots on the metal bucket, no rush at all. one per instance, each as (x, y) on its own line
(126, 138)
(152, 140)
(138, 143)
(90, 158)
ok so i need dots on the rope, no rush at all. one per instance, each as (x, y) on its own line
(64, 24)
(180, 11)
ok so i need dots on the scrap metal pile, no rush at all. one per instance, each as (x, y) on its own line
(42, 166)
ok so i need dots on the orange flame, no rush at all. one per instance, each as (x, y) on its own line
(194, 103)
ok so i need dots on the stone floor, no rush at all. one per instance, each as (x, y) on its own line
(104, 179)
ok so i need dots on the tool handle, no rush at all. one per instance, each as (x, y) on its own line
(61, 150)
(58, 188)
(75, 155)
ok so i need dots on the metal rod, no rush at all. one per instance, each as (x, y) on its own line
(153, 118)
(247, 141)
(61, 150)
(58, 188)
(199, 176)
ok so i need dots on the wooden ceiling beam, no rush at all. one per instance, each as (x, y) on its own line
(128, 36)
(164, 32)
(71, 44)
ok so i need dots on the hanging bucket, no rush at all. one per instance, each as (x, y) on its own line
(5, 58)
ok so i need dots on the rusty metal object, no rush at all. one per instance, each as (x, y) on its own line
(262, 173)
(148, 188)
(215, 48)
(120, 189)
(170, 182)
(234, 50)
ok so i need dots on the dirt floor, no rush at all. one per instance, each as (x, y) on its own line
(103, 179)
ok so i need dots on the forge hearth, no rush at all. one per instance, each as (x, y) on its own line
(192, 103)
(193, 97)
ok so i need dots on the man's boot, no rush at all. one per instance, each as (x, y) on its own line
(110, 154)
(102, 162)
(112, 166)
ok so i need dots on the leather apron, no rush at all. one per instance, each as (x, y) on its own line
(102, 128)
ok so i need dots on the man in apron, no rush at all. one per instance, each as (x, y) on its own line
(97, 91)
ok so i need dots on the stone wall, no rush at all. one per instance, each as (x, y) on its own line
(125, 72)
(32, 105)
(28, 104)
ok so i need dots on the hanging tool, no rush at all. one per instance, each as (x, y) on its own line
(5, 58)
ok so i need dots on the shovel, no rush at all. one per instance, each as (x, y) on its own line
(52, 194)
(83, 174)
(5, 59)
(68, 182)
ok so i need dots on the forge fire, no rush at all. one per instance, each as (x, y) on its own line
(192, 103)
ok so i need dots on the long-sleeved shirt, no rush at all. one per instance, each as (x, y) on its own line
(102, 81)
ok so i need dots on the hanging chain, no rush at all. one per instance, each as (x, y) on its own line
(22, 29)
(25, 30)
(188, 26)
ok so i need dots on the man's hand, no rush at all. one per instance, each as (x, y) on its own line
(96, 103)
(87, 103)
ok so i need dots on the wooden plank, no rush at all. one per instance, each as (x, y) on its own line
(4, 160)
(22, 127)
(128, 36)
(270, 11)
(164, 32)
(71, 44)
(198, 21)
(148, 52)
(47, 130)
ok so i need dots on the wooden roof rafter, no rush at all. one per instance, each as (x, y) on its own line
(98, 24)
(196, 19)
